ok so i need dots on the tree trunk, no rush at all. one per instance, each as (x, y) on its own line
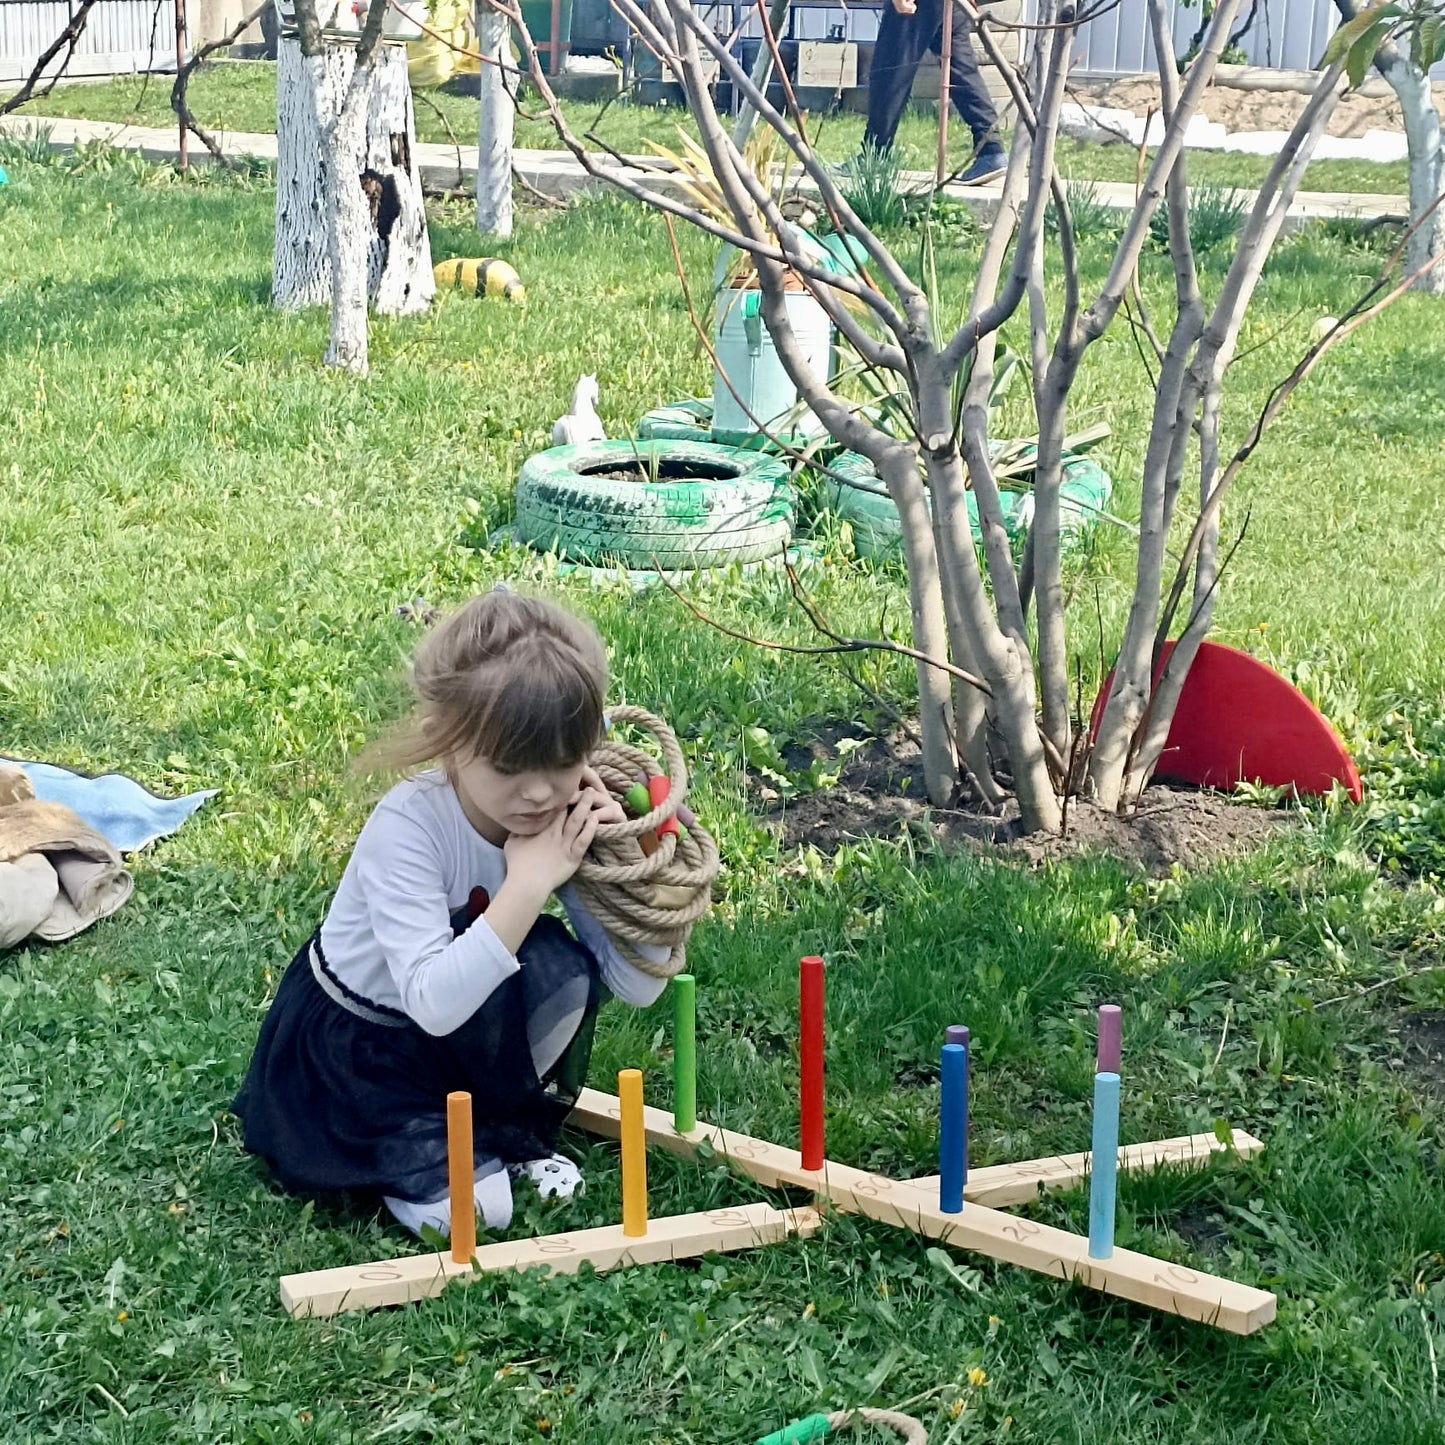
(930, 629)
(497, 118)
(379, 212)
(305, 93)
(1132, 755)
(1046, 537)
(1427, 166)
(1423, 146)
(399, 269)
(350, 234)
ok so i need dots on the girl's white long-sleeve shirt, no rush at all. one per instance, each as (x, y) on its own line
(388, 936)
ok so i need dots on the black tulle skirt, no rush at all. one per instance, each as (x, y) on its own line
(337, 1101)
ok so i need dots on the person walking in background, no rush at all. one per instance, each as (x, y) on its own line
(908, 30)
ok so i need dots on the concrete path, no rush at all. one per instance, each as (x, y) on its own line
(558, 174)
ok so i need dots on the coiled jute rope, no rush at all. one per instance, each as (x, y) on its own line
(636, 898)
(905, 1425)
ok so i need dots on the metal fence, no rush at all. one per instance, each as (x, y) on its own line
(117, 38)
(1282, 35)
(131, 35)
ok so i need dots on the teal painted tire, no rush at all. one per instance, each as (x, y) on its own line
(709, 506)
(691, 421)
(685, 421)
(878, 534)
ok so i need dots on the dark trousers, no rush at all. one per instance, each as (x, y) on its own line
(903, 40)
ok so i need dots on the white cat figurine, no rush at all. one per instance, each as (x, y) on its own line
(581, 424)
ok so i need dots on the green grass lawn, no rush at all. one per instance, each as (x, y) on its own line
(205, 537)
(241, 96)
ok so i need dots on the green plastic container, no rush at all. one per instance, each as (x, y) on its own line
(538, 17)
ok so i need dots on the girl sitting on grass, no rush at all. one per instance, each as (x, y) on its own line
(434, 969)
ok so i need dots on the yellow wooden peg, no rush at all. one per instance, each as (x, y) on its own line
(634, 1154)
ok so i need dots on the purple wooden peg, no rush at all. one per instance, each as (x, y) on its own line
(1111, 1038)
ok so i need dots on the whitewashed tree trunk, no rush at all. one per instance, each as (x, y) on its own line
(495, 126)
(305, 93)
(1427, 165)
(349, 152)
(1424, 149)
(351, 233)
(399, 277)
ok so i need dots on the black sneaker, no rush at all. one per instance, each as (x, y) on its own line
(988, 165)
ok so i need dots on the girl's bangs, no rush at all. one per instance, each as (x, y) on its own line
(538, 723)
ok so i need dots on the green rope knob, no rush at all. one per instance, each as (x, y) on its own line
(800, 1432)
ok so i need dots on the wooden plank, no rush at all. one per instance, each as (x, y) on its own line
(997, 1185)
(769, 1164)
(1002, 1185)
(326, 1292)
(1192, 1294)
(1237, 1308)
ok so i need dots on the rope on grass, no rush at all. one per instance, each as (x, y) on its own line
(637, 898)
(906, 1426)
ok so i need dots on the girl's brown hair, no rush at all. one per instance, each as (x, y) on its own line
(508, 678)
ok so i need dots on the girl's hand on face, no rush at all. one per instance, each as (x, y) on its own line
(549, 859)
(608, 808)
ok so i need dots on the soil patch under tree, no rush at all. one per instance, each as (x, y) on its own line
(880, 792)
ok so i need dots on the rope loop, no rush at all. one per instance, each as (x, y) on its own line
(639, 898)
(911, 1430)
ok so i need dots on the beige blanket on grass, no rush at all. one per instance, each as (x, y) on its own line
(57, 874)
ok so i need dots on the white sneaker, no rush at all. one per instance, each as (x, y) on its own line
(435, 1213)
(556, 1177)
(492, 1194)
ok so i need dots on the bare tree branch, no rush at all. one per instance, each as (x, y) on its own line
(179, 102)
(761, 76)
(1096, 321)
(781, 254)
(733, 171)
(780, 443)
(1357, 316)
(840, 644)
(66, 41)
(902, 285)
(1031, 221)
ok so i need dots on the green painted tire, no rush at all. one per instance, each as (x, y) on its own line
(728, 506)
(878, 534)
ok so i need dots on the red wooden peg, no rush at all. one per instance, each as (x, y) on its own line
(811, 1053)
(658, 787)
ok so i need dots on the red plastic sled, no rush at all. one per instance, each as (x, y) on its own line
(1240, 721)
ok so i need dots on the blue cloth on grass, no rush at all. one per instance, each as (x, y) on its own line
(127, 813)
